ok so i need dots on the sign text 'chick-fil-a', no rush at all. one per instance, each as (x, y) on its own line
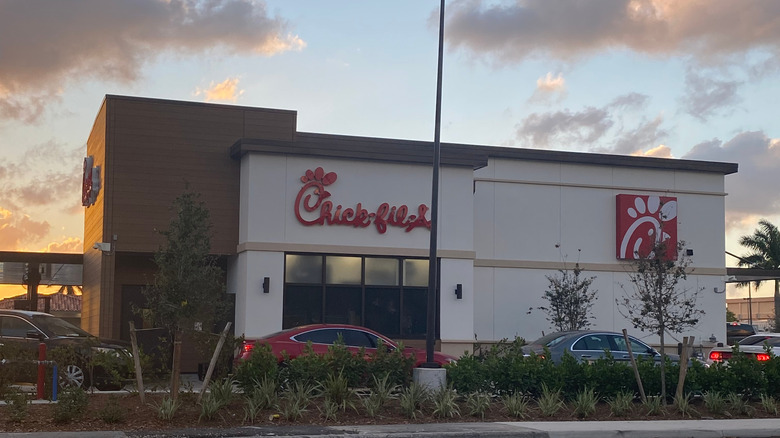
(313, 198)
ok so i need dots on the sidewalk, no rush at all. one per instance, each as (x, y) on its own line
(565, 429)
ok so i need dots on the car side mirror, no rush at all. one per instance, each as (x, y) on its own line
(34, 334)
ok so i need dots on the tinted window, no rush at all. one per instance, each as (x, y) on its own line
(636, 346)
(11, 326)
(357, 338)
(324, 336)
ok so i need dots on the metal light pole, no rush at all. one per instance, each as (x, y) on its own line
(433, 264)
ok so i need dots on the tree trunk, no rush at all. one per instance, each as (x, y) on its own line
(777, 306)
(663, 369)
(176, 367)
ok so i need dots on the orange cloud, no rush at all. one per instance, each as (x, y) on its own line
(69, 245)
(660, 151)
(549, 83)
(16, 232)
(226, 91)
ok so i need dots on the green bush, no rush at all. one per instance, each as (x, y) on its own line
(468, 374)
(261, 364)
(72, 404)
(392, 363)
(309, 368)
(610, 377)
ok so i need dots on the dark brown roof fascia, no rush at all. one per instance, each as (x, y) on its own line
(363, 148)
(609, 160)
(453, 154)
(41, 257)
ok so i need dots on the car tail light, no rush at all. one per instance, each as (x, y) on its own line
(247, 347)
(762, 357)
(719, 355)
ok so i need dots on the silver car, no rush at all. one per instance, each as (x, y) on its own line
(588, 346)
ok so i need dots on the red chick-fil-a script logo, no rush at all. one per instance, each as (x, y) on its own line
(313, 207)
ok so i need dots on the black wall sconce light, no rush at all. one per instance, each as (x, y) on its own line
(266, 285)
(459, 291)
(689, 252)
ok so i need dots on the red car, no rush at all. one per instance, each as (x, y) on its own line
(293, 341)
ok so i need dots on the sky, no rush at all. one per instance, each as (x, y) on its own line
(698, 79)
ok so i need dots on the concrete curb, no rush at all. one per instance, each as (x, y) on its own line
(763, 427)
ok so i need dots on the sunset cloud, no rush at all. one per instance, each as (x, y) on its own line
(660, 151)
(45, 44)
(511, 31)
(595, 129)
(18, 232)
(753, 190)
(29, 200)
(67, 245)
(225, 91)
(550, 83)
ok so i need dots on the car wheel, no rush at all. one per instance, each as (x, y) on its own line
(72, 376)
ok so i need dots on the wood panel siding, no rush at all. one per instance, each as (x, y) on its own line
(93, 231)
(161, 147)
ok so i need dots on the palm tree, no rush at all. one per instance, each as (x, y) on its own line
(765, 246)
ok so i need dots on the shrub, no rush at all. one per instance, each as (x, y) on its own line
(550, 401)
(444, 403)
(585, 403)
(478, 403)
(309, 368)
(468, 374)
(621, 403)
(209, 406)
(18, 403)
(609, 376)
(683, 405)
(654, 405)
(167, 408)
(394, 364)
(71, 404)
(516, 405)
(261, 364)
(769, 404)
(336, 390)
(714, 402)
(221, 392)
(412, 399)
(112, 412)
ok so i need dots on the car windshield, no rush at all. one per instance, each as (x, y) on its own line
(54, 326)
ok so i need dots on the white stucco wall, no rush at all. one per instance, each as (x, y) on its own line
(269, 228)
(503, 229)
(530, 217)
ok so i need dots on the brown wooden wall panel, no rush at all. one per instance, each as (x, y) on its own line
(93, 231)
(276, 126)
(159, 146)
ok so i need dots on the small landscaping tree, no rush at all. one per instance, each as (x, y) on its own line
(569, 299)
(659, 301)
(188, 290)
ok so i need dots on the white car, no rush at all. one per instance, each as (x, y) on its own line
(758, 345)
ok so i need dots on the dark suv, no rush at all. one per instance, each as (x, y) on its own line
(736, 332)
(26, 329)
